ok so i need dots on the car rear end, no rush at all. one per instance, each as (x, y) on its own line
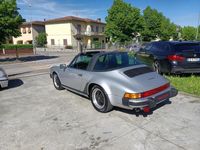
(185, 57)
(153, 89)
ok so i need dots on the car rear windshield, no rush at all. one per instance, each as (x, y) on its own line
(187, 47)
(117, 60)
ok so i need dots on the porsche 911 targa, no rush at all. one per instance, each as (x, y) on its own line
(113, 79)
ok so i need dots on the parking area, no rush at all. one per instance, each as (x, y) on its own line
(35, 116)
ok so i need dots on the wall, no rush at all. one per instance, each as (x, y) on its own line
(29, 36)
(58, 32)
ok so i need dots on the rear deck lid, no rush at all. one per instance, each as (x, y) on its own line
(144, 78)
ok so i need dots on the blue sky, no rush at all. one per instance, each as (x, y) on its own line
(181, 12)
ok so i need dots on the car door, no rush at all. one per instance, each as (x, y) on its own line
(73, 75)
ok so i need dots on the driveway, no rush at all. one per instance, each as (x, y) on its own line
(35, 116)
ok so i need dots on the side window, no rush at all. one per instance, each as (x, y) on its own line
(81, 62)
(148, 47)
(101, 63)
(162, 47)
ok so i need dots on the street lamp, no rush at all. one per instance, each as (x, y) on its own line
(31, 23)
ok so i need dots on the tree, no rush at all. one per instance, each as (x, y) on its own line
(41, 39)
(157, 25)
(188, 33)
(152, 20)
(123, 21)
(10, 20)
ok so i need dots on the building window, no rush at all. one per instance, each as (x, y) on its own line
(103, 29)
(24, 30)
(65, 42)
(52, 42)
(29, 30)
(92, 28)
(78, 28)
(97, 28)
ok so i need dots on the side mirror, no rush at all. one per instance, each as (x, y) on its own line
(63, 66)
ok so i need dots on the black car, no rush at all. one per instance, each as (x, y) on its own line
(171, 56)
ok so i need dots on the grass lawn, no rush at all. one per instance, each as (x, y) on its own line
(188, 84)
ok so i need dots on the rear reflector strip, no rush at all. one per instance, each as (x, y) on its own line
(154, 91)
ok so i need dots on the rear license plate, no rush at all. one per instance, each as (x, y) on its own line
(163, 96)
(193, 59)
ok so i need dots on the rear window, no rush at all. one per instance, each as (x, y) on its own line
(115, 60)
(188, 47)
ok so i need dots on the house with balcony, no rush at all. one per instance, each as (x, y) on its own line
(29, 31)
(70, 31)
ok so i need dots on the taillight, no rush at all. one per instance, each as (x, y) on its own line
(154, 91)
(176, 58)
(146, 93)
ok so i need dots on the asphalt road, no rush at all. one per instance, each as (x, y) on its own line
(35, 116)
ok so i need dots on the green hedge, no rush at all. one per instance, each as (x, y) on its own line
(12, 46)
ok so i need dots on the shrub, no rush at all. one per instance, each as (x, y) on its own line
(13, 47)
(41, 39)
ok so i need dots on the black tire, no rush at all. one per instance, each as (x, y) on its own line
(156, 67)
(100, 100)
(56, 82)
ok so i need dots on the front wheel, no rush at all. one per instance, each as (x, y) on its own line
(100, 100)
(156, 67)
(56, 82)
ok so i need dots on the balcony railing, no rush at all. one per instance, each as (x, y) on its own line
(86, 33)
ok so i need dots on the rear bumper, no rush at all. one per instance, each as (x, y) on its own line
(4, 83)
(150, 101)
(178, 69)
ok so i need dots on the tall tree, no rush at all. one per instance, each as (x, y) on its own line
(10, 20)
(123, 21)
(152, 20)
(157, 25)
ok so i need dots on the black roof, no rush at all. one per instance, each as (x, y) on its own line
(178, 42)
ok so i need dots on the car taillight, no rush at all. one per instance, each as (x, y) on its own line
(176, 58)
(154, 91)
(146, 93)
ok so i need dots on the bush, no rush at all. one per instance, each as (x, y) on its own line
(68, 47)
(13, 47)
(41, 39)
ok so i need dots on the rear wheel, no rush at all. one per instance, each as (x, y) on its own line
(56, 82)
(100, 100)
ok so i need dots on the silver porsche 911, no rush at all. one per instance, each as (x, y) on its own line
(113, 79)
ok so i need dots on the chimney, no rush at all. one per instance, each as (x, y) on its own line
(99, 19)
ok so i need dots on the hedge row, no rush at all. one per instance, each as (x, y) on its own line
(18, 46)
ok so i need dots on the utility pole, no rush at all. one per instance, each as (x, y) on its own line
(31, 24)
(197, 33)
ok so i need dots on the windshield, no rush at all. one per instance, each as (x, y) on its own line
(114, 61)
(188, 47)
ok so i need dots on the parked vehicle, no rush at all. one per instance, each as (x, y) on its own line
(3, 79)
(113, 79)
(171, 56)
